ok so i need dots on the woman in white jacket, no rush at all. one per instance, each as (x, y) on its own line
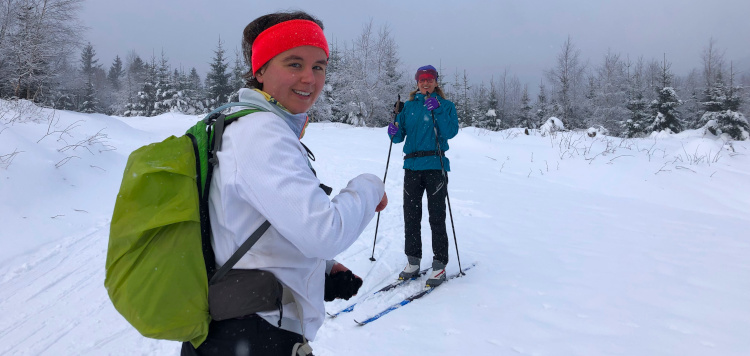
(264, 174)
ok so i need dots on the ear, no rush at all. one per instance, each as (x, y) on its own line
(259, 76)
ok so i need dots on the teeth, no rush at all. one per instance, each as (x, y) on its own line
(302, 92)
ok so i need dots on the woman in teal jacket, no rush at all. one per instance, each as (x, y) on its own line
(426, 114)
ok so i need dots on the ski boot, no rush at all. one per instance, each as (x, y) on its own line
(437, 275)
(411, 270)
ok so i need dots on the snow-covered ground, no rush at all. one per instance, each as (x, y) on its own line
(583, 246)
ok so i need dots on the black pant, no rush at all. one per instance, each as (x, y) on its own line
(252, 336)
(415, 184)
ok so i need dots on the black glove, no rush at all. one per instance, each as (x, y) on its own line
(341, 285)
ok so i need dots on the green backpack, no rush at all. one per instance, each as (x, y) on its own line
(159, 258)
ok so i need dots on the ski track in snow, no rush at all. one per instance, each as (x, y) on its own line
(53, 291)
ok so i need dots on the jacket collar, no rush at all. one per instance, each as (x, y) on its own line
(296, 122)
(419, 96)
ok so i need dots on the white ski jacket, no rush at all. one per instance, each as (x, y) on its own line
(264, 174)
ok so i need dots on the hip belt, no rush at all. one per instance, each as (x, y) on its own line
(424, 154)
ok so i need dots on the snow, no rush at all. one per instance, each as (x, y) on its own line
(552, 125)
(598, 130)
(583, 246)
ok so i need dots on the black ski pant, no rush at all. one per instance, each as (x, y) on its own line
(416, 183)
(251, 335)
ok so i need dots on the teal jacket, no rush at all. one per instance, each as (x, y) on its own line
(416, 126)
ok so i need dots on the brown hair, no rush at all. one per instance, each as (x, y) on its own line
(253, 29)
(437, 90)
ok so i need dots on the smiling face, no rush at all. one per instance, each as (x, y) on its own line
(426, 85)
(295, 77)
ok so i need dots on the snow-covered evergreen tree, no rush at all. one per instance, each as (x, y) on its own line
(330, 106)
(181, 100)
(667, 117)
(90, 103)
(484, 106)
(145, 100)
(194, 92)
(237, 80)
(492, 104)
(526, 118)
(218, 88)
(734, 94)
(722, 114)
(480, 107)
(462, 100)
(88, 60)
(639, 110)
(116, 72)
(178, 78)
(116, 93)
(732, 123)
(89, 65)
(715, 96)
(640, 116)
(165, 93)
(541, 105)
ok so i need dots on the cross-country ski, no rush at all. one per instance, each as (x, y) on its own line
(409, 299)
(388, 287)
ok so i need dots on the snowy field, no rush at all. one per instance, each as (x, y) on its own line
(583, 246)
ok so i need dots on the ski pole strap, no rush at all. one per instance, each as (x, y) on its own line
(423, 154)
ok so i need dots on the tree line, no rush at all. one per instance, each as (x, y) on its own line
(620, 96)
(44, 59)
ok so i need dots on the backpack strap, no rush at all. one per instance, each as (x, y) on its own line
(240, 252)
(229, 105)
(219, 121)
(219, 126)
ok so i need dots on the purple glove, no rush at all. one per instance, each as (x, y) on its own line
(431, 103)
(392, 129)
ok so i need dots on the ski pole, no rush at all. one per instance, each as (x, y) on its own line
(450, 211)
(377, 222)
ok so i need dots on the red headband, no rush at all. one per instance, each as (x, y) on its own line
(425, 75)
(285, 36)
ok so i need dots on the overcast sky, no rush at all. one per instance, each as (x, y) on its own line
(483, 37)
